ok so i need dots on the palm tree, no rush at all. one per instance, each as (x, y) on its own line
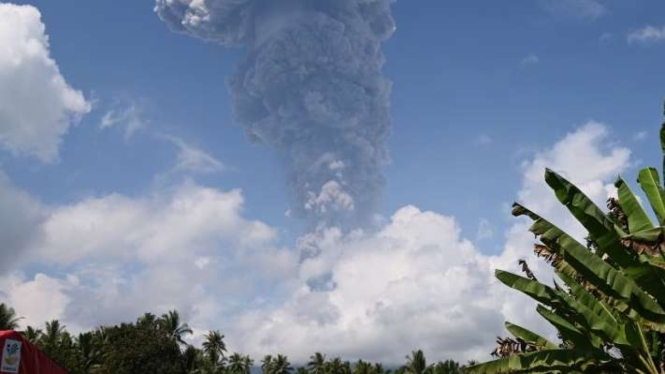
(147, 320)
(191, 359)
(267, 364)
(89, 350)
(51, 340)
(335, 366)
(416, 363)
(317, 363)
(171, 323)
(52, 334)
(247, 363)
(32, 334)
(8, 318)
(346, 368)
(302, 370)
(214, 346)
(282, 365)
(239, 364)
(447, 367)
(378, 369)
(363, 367)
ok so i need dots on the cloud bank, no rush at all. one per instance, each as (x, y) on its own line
(414, 283)
(417, 283)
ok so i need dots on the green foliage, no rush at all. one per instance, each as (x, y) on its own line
(8, 318)
(140, 349)
(154, 345)
(416, 363)
(214, 348)
(171, 323)
(609, 310)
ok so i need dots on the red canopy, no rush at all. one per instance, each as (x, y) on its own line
(22, 357)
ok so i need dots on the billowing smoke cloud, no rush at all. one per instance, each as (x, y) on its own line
(311, 88)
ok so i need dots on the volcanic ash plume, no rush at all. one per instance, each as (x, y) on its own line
(311, 88)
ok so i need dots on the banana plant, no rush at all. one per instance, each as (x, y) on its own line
(608, 302)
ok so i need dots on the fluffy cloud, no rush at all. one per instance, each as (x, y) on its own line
(414, 283)
(148, 228)
(186, 247)
(408, 285)
(646, 35)
(37, 106)
(39, 299)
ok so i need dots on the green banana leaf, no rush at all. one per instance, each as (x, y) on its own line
(534, 289)
(650, 184)
(596, 318)
(638, 220)
(570, 332)
(662, 145)
(549, 360)
(653, 235)
(600, 227)
(606, 278)
(529, 336)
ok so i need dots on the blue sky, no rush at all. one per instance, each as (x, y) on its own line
(481, 92)
(459, 76)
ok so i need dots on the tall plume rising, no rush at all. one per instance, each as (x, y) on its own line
(311, 88)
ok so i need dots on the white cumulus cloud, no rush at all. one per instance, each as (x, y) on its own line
(417, 283)
(187, 247)
(37, 105)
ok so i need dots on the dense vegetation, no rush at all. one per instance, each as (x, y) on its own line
(156, 345)
(609, 305)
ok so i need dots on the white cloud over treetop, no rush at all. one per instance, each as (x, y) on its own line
(414, 283)
(37, 105)
(417, 283)
(187, 247)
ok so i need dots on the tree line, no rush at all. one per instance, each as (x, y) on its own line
(156, 344)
